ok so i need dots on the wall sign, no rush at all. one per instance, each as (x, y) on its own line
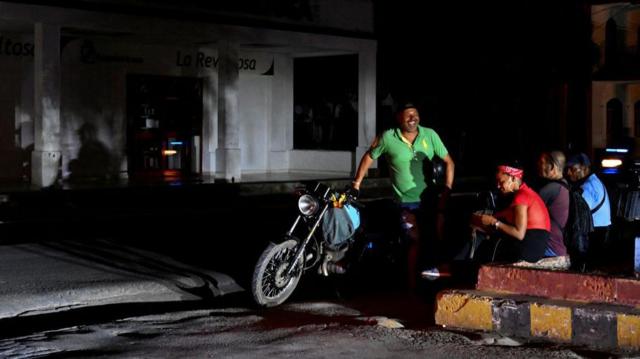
(200, 59)
(9, 47)
(90, 55)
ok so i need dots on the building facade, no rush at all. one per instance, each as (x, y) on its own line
(615, 87)
(99, 89)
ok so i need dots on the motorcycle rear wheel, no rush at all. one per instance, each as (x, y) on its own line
(270, 285)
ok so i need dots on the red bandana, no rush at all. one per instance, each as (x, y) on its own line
(515, 172)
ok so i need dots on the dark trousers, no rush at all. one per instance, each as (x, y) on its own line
(431, 216)
(599, 251)
(502, 248)
(593, 252)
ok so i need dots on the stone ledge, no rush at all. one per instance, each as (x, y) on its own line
(596, 326)
(561, 285)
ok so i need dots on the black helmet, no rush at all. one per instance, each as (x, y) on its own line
(434, 170)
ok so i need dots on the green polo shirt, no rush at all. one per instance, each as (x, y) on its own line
(406, 160)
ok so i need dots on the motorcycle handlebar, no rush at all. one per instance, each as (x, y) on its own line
(348, 195)
(352, 195)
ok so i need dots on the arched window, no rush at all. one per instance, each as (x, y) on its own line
(614, 120)
(611, 53)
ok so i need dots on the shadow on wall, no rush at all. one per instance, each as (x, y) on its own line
(94, 161)
(15, 165)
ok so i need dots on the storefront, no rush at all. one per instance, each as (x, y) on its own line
(84, 94)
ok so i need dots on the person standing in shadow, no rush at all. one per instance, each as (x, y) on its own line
(595, 194)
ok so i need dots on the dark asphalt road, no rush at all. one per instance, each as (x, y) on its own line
(214, 230)
(201, 224)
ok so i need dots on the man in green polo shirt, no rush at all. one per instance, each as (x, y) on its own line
(406, 148)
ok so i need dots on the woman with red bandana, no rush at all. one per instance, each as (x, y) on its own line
(523, 228)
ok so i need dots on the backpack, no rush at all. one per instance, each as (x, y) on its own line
(579, 223)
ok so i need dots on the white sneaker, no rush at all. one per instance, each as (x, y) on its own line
(433, 274)
(335, 268)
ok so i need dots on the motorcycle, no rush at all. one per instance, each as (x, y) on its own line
(324, 232)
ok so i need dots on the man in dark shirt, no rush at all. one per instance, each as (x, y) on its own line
(555, 195)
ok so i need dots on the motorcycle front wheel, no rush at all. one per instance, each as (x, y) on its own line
(271, 285)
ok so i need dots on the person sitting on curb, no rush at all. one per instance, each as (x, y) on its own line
(555, 194)
(519, 232)
(523, 227)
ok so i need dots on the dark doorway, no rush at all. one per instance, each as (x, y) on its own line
(164, 118)
(325, 98)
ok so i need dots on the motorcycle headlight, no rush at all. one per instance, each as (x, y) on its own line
(308, 205)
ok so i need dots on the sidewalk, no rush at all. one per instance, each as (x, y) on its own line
(264, 183)
(21, 202)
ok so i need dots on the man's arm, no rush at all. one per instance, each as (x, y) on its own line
(363, 167)
(365, 163)
(448, 180)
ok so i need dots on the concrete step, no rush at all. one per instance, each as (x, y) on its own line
(595, 326)
(562, 285)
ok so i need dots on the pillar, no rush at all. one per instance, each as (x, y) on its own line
(228, 157)
(45, 159)
(366, 102)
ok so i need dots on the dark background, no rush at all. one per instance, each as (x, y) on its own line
(496, 79)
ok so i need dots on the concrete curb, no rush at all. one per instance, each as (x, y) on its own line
(559, 285)
(598, 326)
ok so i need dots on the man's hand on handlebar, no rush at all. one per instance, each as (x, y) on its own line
(352, 192)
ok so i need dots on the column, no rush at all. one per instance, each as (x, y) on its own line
(24, 107)
(366, 102)
(228, 152)
(281, 126)
(209, 124)
(45, 159)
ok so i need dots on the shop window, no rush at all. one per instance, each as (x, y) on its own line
(326, 103)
